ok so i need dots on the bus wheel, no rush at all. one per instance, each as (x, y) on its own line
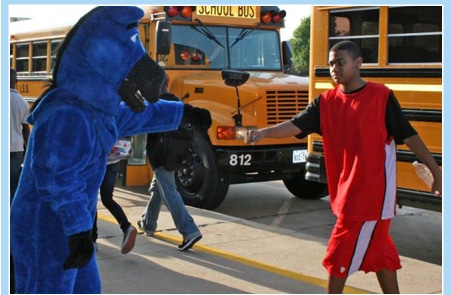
(305, 189)
(204, 184)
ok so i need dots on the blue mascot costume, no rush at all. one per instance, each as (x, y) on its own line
(101, 81)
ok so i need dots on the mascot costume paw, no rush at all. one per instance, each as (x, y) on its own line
(104, 87)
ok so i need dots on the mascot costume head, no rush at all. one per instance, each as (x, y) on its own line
(104, 87)
(104, 47)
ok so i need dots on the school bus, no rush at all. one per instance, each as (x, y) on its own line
(402, 48)
(227, 59)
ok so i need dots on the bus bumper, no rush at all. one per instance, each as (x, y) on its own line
(262, 160)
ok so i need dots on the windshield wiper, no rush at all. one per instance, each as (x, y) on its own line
(206, 32)
(243, 34)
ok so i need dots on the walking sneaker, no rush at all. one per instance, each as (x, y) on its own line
(129, 239)
(148, 232)
(188, 244)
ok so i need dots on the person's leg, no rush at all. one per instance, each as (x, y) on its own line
(150, 215)
(15, 159)
(335, 285)
(12, 281)
(382, 257)
(343, 254)
(106, 195)
(388, 281)
(173, 200)
(15, 168)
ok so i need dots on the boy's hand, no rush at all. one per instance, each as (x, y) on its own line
(253, 136)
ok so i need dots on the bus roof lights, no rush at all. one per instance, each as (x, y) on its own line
(183, 12)
(272, 15)
(187, 11)
(266, 18)
(279, 17)
(173, 11)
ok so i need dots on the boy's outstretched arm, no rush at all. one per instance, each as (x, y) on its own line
(282, 130)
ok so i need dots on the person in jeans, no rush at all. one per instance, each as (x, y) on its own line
(164, 189)
(106, 195)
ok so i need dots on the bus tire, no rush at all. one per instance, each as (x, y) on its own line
(203, 185)
(305, 189)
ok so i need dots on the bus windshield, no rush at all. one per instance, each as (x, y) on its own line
(220, 47)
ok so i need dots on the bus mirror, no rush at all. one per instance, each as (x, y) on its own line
(164, 36)
(234, 78)
(287, 56)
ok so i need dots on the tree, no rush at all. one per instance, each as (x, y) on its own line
(300, 44)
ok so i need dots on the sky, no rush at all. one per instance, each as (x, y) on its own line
(295, 13)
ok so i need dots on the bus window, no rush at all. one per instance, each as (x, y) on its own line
(246, 49)
(193, 46)
(414, 34)
(39, 58)
(361, 26)
(254, 49)
(22, 51)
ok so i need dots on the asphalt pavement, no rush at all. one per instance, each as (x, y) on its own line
(234, 256)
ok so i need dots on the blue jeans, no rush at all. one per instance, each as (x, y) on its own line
(163, 187)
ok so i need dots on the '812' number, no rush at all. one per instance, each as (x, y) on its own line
(240, 160)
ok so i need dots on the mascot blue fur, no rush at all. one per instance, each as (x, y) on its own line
(100, 84)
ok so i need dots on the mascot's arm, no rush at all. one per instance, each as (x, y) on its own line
(157, 117)
(63, 153)
(160, 116)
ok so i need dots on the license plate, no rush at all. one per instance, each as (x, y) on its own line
(299, 156)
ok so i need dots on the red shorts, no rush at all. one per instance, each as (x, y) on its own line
(360, 245)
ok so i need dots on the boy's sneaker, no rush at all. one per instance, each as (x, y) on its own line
(129, 239)
(142, 228)
(188, 244)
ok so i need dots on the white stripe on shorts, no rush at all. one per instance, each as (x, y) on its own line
(366, 232)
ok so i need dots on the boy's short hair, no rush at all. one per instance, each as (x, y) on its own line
(349, 46)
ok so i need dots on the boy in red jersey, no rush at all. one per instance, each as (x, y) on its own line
(360, 122)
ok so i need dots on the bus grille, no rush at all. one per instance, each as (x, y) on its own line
(283, 105)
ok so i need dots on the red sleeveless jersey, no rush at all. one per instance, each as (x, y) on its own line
(360, 158)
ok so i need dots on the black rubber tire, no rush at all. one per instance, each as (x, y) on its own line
(305, 189)
(203, 185)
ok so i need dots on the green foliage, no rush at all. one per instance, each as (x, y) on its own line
(300, 44)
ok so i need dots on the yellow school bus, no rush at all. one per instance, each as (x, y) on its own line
(227, 59)
(402, 48)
